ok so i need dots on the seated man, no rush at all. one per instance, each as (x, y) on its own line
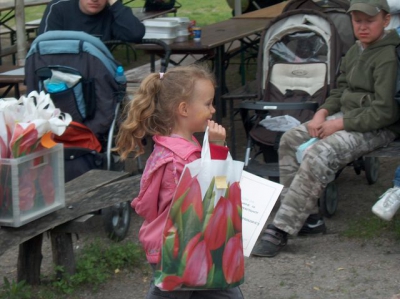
(106, 19)
(363, 116)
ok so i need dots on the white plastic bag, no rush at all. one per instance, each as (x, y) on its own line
(279, 123)
(202, 246)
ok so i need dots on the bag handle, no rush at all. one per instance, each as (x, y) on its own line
(205, 151)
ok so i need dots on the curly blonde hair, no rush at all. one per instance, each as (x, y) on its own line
(152, 110)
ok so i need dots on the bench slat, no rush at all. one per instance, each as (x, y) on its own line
(82, 198)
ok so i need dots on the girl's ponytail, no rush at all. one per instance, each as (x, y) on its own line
(138, 114)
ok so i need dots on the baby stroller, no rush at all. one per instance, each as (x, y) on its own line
(299, 58)
(84, 80)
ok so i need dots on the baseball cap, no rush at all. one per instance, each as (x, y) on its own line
(370, 7)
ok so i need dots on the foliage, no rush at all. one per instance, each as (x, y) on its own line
(204, 12)
(97, 263)
(13, 290)
(369, 227)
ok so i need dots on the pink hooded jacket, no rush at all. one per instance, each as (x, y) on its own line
(159, 180)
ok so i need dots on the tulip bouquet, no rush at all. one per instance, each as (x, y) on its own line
(202, 240)
(25, 128)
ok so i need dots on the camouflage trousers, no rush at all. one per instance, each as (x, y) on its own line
(304, 183)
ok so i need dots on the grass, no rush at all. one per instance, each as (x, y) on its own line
(204, 12)
(370, 227)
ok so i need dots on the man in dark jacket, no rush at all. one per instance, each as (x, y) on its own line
(106, 19)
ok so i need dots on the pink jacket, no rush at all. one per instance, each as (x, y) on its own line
(159, 180)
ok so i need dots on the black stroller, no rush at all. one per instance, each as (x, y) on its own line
(299, 57)
(84, 80)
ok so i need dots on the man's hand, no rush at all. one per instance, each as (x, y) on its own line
(329, 127)
(216, 133)
(315, 124)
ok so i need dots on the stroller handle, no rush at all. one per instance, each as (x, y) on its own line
(167, 51)
(166, 47)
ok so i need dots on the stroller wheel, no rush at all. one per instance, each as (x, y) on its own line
(116, 220)
(371, 166)
(328, 202)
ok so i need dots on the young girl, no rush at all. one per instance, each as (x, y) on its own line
(170, 107)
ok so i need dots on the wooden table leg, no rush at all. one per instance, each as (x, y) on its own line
(63, 252)
(29, 260)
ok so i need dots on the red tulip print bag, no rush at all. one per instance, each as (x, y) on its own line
(202, 241)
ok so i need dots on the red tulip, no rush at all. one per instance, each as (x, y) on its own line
(192, 243)
(191, 187)
(184, 183)
(233, 259)
(234, 196)
(170, 283)
(46, 184)
(198, 262)
(170, 229)
(27, 190)
(23, 140)
(217, 227)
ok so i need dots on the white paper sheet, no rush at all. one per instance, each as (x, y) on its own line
(258, 199)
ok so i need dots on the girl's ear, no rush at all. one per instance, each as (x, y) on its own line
(183, 109)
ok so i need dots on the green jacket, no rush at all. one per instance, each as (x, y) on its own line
(366, 87)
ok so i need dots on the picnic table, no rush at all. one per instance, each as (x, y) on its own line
(85, 195)
(15, 9)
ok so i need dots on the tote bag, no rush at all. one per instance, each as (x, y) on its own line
(202, 244)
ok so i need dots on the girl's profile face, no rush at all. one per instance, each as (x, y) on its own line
(369, 29)
(200, 108)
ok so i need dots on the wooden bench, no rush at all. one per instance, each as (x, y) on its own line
(392, 150)
(89, 193)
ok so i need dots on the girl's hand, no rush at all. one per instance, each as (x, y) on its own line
(216, 133)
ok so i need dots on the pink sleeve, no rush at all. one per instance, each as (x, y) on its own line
(218, 152)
